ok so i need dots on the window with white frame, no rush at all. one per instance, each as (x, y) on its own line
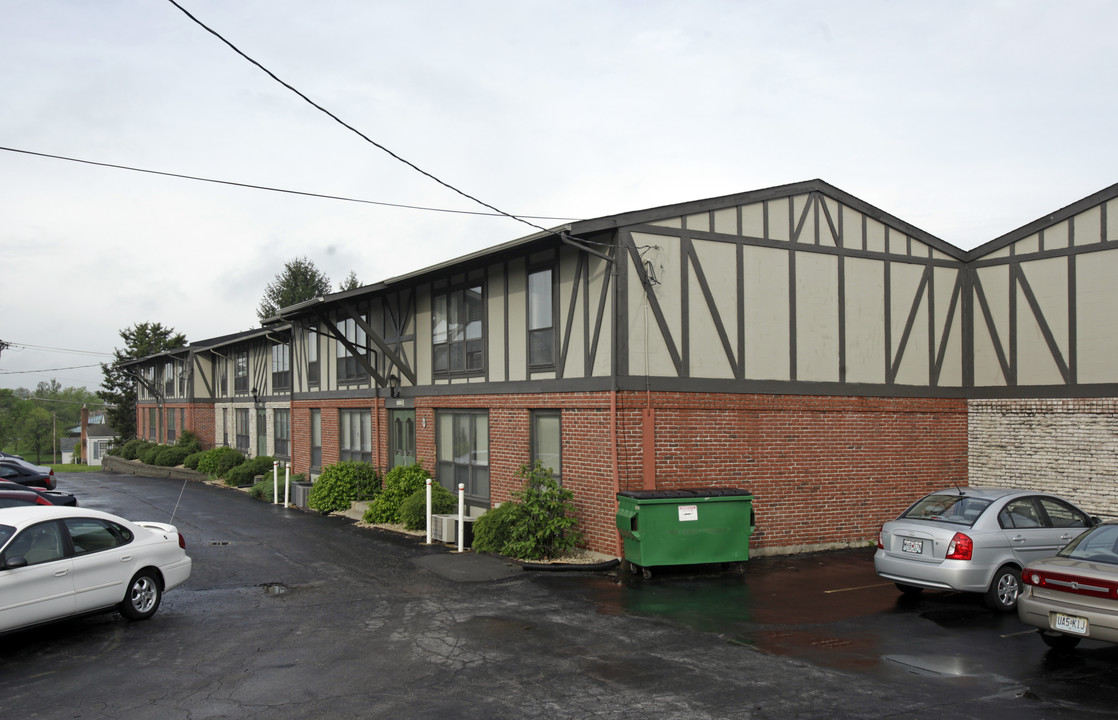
(242, 436)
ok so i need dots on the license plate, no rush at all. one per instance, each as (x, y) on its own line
(1069, 624)
(912, 546)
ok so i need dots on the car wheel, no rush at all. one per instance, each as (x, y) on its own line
(1004, 588)
(909, 589)
(1058, 641)
(144, 595)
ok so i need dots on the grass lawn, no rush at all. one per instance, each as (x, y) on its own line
(60, 467)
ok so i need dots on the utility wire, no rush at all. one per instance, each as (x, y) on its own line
(53, 349)
(268, 188)
(46, 370)
(349, 127)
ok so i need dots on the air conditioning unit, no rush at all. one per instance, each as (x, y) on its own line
(444, 528)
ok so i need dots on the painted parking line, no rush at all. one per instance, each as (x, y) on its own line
(860, 587)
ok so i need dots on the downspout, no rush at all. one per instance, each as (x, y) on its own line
(618, 547)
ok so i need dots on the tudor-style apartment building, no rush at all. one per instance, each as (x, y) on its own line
(795, 341)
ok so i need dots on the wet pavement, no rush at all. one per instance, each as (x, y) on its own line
(290, 614)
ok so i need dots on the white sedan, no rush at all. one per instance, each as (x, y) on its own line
(59, 562)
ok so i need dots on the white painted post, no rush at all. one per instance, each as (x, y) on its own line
(275, 482)
(461, 515)
(286, 484)
(428, 511)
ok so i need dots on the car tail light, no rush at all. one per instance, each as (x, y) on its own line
(881, 538)
(182, 541)
(1074, 584)
(961, 547)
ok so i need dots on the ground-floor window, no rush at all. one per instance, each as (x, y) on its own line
(152, 415)
(462, 447)
(242, 429)
(547, 442)
(170, 425)
(316, 438)
(355, 436)
(282, 421)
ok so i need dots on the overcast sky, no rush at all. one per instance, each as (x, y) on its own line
(966, 119)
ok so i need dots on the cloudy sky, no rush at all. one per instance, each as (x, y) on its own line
(967, 119)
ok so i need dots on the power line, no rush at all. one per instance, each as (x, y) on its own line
(349, 127)
(252, 186)
(46, 370)
(52, 349)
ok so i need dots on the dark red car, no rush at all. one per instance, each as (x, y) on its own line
(15, 498)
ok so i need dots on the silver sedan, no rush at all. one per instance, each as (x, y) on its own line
(973, 539)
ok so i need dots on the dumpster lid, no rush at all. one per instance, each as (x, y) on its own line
(683, 493)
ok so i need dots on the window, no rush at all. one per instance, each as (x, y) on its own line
(182, 381)
(151, 424)
(355, 443)
(240, 373)
(281, 366)
(312, 358)
(282, 420)
(547, 445)
(349, 369)
(225, 427)
(37, 544)
(541, 319)
(168, 380)
(224, 365)
(170, 425)
(458, 332)
(316, 438)
(462, 446)
(99, 448)
(242, 429)
(91, 535)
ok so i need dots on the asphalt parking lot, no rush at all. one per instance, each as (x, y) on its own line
(290, 614)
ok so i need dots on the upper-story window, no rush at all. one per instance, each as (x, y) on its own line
(541, 319)
(349, 368)
(281, 366)
(240, 373)
(168, 379)
(458, 331)
(313, 373)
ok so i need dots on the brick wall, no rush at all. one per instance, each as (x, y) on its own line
(1065, 446)
(825, 472)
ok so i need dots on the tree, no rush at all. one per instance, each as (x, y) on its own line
(350, 283)
(36, 431)
(300, 280)
(119, 387)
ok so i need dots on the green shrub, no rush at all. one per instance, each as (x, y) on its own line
(399, 484)
(219, 461)
(244, 473)
(148, 455)
(262, 490)
(170, 456)
(541, 526)
(339, 485)
(189, 441)
(413, 511)
(493, 529)
(131, 450)
(191, 461)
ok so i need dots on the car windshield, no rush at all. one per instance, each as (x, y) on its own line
(1098, 545)
(948, 507)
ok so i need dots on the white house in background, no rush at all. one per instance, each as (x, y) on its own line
(96, 437)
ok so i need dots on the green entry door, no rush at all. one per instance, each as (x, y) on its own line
(401, 428)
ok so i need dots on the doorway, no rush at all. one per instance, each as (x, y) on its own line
(401, 437)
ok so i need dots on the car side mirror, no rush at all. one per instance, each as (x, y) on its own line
(16, 562)
(1095, 520)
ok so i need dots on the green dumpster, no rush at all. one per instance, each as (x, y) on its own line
(685, 527)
